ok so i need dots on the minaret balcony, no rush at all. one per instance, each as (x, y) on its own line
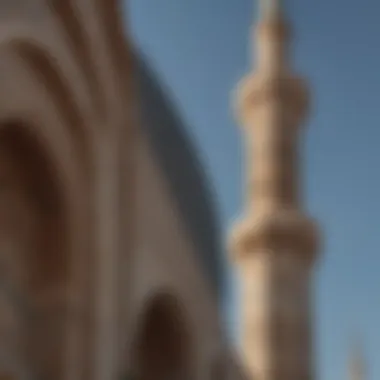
(279, 231)
(284, 93)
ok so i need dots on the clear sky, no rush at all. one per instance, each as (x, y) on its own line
(201, 49)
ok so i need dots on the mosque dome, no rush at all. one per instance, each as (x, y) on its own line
(176, 154)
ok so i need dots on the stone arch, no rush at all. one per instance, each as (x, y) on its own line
(47, 72)
(121, 56)
(162, 347)
(77, 37)
(34, 257)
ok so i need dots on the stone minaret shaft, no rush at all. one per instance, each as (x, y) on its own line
(275, 244)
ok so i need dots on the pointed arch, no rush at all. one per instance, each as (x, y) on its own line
(69, 21)
(35, 226)
(162, 345)
(47, 72)
(119, 46)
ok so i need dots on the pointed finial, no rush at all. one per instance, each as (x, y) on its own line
(271, 8)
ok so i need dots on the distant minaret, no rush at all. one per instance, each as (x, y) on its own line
(275, 244)
(356, 365)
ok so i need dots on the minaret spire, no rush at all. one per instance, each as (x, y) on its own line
(272, 37)
(275, 244)
(271, 8)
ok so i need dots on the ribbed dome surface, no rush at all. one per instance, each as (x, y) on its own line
(177, 157)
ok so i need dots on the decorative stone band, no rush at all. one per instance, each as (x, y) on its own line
(283, 230)
(290, 93)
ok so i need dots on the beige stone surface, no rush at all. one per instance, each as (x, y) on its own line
(275, 243)
(85, 255)
(165, 263)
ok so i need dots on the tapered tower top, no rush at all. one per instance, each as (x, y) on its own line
(271, 37)
(271, 104)
(271, 8)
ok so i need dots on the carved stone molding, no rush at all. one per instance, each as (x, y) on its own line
(276, 232)
(289, 91)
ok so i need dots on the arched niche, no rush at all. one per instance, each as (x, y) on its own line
(162, 345)
(33, 259)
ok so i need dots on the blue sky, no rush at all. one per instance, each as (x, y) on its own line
(201, 48)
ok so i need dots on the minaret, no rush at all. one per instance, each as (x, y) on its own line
(275, 244)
